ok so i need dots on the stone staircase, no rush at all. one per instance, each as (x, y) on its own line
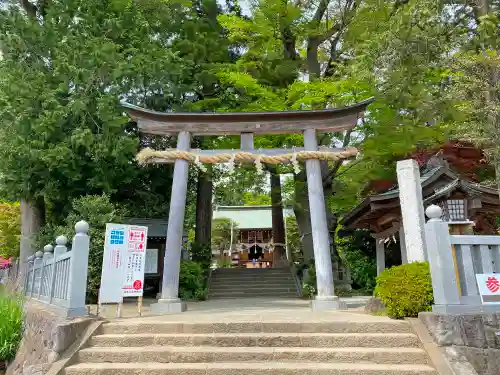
(229, 283)
(141, 347)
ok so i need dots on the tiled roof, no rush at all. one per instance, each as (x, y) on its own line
(249, 217)
(425, 174)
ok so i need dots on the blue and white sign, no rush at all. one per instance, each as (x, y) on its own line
(123, 262)
(117, 237)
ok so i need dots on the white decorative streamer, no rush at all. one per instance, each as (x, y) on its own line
(231, 164)
(258, 165)
(295, 163)
(199, 165)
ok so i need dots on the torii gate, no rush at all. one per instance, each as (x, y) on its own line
(246, 124)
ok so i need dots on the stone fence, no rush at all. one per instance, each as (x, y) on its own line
(454, 262)
(58, 276)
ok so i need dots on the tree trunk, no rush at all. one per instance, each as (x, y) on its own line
(32, 219)
(278, 222)
(301, 210)
(203, 230)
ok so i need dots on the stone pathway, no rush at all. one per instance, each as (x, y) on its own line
(243, 307)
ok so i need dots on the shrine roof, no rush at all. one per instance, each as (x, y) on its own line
(436, 182)
(162, 123)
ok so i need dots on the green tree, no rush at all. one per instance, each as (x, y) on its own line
(252, 199)
(10, 229)
(65, 66)
(223, 232)
(475, 93)
(293, 239)
(330, 45)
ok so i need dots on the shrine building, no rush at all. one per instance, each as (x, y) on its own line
(468, 207)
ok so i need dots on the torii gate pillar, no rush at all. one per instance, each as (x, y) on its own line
(169, 301)
(326, 299)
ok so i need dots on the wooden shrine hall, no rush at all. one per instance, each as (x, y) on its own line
(467, 207)
(246, 124)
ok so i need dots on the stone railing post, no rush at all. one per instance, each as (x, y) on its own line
(49, 253)
(37, 264)
(439, 252)
(30, 266)
(40, 255)
(77, 289)
(60, 249)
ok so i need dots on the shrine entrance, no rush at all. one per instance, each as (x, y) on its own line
(256, 253)
(244, 124)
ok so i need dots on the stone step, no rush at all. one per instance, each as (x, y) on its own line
(251, 271)
(257, 281)
(267, 279)
(253, 289)
(247, 368)
(323, 340)
(286, 328)
(238, 296)
(246, 294)
(167, 354)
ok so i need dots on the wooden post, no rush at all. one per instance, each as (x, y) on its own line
(326, 299)
(380, 247)
(458, 229)
(170, 302)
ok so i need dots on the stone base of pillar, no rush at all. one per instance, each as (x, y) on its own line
(328, 304)
(465, 309)
(168, 306)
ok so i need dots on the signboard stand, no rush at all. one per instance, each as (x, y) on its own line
(123, 265)
(139, 305)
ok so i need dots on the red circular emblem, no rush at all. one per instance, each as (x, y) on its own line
(492, 284)
(137, 285)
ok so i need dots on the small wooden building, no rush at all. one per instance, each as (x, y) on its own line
(254, 244)
(465, 204)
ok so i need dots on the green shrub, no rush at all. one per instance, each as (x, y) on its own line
(11, 322)
(405, 290)
(224, 263)
(202, 254)
(309, 286)
(192, 282)
(357, 251)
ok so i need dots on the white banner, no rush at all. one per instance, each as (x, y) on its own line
(123, 262)
(489, 287)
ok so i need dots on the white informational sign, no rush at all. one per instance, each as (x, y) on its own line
(151, 261)
(123, 262)
(115, 247)
(489, 287)
(135, 261)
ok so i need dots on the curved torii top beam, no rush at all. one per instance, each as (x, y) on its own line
(325, 120)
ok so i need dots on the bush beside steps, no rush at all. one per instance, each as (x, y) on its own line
(405, 290)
